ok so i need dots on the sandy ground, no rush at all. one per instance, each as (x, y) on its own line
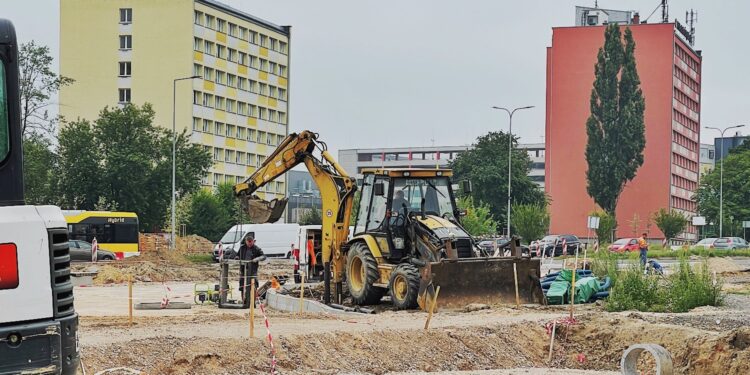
(500, 340)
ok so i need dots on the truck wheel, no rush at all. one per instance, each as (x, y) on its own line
(361, 274)
(404, 286)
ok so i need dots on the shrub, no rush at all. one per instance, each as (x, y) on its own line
(632, 290)
(691, 288)
(687, 288)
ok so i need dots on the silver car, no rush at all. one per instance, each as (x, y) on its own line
(706, 243)
(730, 243)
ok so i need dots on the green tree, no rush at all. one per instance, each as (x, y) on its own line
(207, 216)
(126, 159)
(486, 166)
(311, 217)
(530, 221)
(615, 127)
(736, 193)
(38, 83)
(39, 166)
(80, 177)
(670, 222)
(478, 219)
(355, 207)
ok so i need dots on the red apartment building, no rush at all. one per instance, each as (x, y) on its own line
(670, 74)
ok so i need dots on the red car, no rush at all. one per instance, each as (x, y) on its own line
(624, 244)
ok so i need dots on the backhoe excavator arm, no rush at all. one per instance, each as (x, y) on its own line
(336, 192)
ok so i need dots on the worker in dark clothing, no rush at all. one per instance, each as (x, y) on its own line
(249, 251)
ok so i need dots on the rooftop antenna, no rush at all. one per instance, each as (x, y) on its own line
(690, 19)
(596, 4)
(664, 11)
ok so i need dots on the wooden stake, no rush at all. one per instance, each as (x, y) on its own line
(302, 295)
(515, 280)
(252, 309)
(432, 308)
(552, 341)
(573, 290)
(130, 300)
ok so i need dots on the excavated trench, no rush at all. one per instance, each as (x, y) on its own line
(594, 343)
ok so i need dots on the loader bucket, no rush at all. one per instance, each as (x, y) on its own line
(261, 211)
(481, 280)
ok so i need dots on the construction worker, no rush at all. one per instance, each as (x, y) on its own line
(643, 247)
(249, 251)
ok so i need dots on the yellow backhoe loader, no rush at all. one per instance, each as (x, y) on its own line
(407, 235)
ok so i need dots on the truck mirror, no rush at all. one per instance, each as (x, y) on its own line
(379, 189)
(466, 186)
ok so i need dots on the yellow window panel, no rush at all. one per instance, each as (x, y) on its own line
(221, 37)
(220, 115)
(231, 92)
(263, 76)
(198, 56)
(272, 102)
(241, 69)
(243, 46)
(282, 81)
(219, 166)
(263, 51)
(207, 139)
(221, 63)
(229, 142)
(262, 100)
(208, 85)
(252, 121)
(261, 149)
(249, 170)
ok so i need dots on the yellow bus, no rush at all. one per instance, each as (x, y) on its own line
(114, 231)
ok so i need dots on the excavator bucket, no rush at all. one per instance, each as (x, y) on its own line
(481, 280)
(261, 211)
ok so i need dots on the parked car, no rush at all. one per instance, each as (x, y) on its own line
(555, 243)
(706, 243)
(624, 244)
(80, 251)
(730, 243)
(490, 245)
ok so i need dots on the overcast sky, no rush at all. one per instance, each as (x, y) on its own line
(409, 73)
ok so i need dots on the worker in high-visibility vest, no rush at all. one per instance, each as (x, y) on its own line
(643, 247)
(295, 259)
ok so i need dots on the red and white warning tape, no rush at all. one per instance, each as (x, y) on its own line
(268, 332)
(565, 247)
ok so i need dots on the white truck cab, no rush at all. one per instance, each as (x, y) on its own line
(38, 324)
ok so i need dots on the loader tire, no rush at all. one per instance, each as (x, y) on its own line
(361, 274)
(403, 286)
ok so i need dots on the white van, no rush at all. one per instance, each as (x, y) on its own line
(276, 240)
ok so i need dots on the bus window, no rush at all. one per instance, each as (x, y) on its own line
(4, 130)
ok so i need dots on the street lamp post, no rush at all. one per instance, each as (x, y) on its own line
(510, 146)
(721, 176)
(174, 153)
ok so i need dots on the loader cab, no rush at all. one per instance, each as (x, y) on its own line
(390, 198)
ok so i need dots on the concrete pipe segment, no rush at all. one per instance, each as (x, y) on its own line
(663, 359)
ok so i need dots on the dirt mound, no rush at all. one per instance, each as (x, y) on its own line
(724, 265)
(601, 341)
(479, 348)
(192, 244)
(147, 271)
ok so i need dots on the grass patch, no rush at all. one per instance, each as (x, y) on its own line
(687, 288)
(199, 258)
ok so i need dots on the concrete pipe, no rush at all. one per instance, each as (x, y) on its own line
(629, 362)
